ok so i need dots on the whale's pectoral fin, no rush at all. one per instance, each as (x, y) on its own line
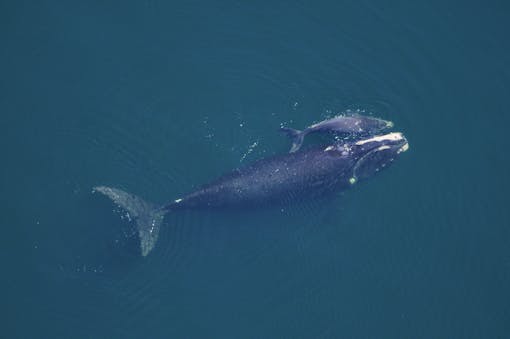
(148, 217)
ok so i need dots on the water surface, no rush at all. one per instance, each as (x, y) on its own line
(157, 98)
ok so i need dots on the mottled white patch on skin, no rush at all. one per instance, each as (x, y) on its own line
(391, 136)
(403, 148)
(382, 148)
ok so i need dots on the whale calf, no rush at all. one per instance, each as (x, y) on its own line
(314, 173)
(350, 124)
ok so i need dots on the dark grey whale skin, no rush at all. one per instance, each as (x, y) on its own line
(278, 179)
(308, 174)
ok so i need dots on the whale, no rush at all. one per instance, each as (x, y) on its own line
(314, 173)
(355, 125)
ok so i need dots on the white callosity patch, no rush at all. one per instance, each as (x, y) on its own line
(382, 148)
(390, 137)
(345, 149)
(403, 148)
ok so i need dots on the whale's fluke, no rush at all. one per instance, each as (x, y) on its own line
(147, 216)
(297, 137)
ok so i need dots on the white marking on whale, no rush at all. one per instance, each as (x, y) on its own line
(395, 136)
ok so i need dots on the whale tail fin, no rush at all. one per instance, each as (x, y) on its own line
(148, 217)
(297, 137)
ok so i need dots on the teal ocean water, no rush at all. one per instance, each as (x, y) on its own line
(158, 97)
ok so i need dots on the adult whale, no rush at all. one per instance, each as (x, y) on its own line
(309, 174)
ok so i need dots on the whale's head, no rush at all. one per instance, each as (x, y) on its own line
(371, 155)
(373, 125)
